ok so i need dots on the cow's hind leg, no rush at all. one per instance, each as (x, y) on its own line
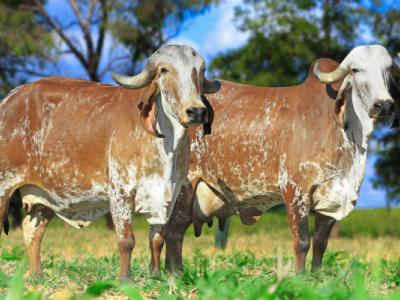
(298, 222)
(323, 227)
(34, 226)
(121, 212)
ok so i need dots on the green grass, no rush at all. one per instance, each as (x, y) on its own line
(239, 275)
(258, 264)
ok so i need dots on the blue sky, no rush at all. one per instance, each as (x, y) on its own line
(212, 33)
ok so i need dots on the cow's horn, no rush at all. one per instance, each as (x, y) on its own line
(211, 86)
(133, 82)
(329, 77)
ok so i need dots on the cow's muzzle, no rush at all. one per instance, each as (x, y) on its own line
(197, 115)
(382, 109)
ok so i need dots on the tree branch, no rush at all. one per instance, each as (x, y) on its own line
(85, 26)
(59, 30)
(103, 27)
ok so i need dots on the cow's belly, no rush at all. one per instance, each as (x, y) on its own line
(261, 201)
(243, 200)
(255, 193)
(78, 211)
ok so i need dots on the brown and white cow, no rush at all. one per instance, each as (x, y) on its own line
(304, 146)
(77, 149)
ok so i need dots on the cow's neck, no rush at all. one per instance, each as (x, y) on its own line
(174, 150)
(357, 131)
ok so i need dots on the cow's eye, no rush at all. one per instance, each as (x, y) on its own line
(163, 70)
(355, 70)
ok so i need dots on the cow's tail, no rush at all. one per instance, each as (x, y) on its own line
(4, 209)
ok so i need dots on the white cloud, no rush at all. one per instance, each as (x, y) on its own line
(225, 35)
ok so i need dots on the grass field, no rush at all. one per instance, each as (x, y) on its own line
(257, 264)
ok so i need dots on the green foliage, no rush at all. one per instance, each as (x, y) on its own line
(286, 36)
(387, 165)
(144, 26)
(24, 44)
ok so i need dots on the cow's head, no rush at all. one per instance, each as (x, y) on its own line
(367, 70)
(176, 74)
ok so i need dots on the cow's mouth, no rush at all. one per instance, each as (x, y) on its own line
(382, 110)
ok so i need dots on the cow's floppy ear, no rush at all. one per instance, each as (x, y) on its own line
(207, 127)
(340, 103)
(148, 110)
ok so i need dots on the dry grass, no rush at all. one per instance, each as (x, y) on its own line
(95, 241)
(75, 259)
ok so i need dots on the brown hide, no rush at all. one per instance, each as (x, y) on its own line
(57, 133)
(254, 126)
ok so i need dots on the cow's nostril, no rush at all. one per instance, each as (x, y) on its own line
(197, 115)
(191, 112)
(378, 106)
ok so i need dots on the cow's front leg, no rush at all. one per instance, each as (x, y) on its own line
(34, 226)
(179, 222)
(174, 245)
(156, 243)
(323, 227)
(173, 233)
(121, 212)
(297, 211)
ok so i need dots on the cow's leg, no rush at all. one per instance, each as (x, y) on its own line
(178, 224)
(323, 227)
(34, 226)
(298, 222)
(156, 243)
(173, 233)
(121, 212)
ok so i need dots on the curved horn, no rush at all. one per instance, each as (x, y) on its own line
(133, 82)
(211, 86)
(329, 77)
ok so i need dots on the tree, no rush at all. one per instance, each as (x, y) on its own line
(25, 45)
(286, 36)
(144, 26)
(387, 166)
(140, 26)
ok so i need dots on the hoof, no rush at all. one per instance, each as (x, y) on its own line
(125, 279)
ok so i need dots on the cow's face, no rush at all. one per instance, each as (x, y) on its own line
(182, 84)
(367, 71)
(176, 73)
(370, 68)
